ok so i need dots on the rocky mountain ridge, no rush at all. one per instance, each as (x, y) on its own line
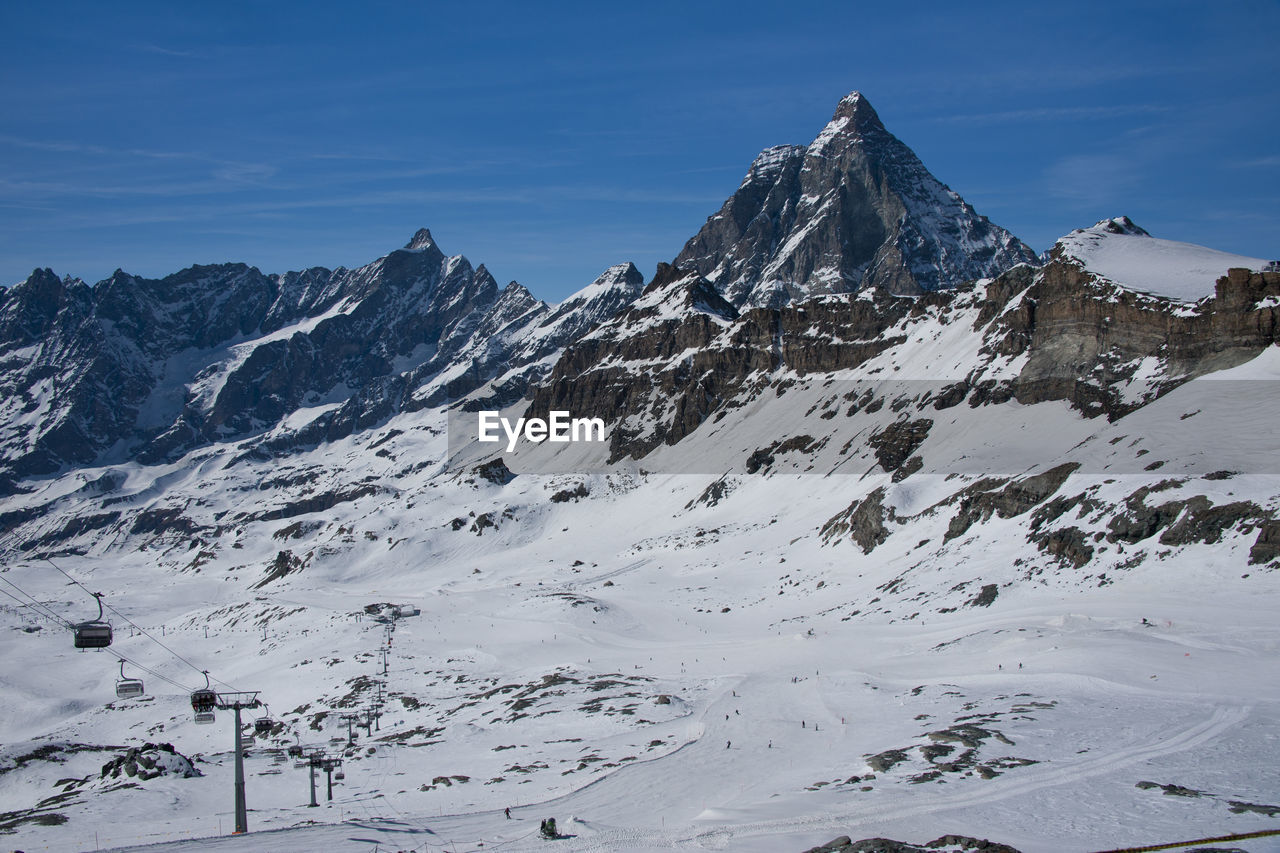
(1058, 332)
(151, 369)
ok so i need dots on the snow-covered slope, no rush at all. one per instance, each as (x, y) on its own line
(1119, 250)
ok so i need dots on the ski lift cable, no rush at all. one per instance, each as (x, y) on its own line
(45, 612)
(35, 604)
(137, 627)
(149, 671)
(27, 605)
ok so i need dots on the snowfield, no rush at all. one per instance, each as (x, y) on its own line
(1126, 254)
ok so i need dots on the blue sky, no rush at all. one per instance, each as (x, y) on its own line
(550, 140)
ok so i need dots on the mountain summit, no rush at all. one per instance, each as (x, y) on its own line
(854, 209)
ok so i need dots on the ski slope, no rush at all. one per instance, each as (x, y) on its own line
(775, 705)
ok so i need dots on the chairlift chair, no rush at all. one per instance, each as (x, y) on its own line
(204, 718)
(127, 688)
(295, 751)
(339, 776)
(262, 726)
(204, 700)
(95, 633)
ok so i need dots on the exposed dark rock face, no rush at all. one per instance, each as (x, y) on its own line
(985, 597)
(681, 353)
(1068, 545)
(854, 209)
(897, 442)
(863, 522)
(1267, 546)
(986, 498)
(1083, 341)
(679, 312)
(1083, 337)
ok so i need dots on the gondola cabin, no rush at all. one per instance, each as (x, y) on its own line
(92, 635)
(204, 701)
(127, 688)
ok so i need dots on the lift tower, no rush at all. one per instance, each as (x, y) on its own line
(238, 701)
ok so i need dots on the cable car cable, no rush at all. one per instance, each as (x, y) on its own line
(50, 614)
(44, 616)
(138, 627)
(36, 604)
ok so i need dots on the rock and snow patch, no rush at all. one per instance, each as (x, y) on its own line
(1124, 253)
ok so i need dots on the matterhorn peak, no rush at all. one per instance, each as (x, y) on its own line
(858, 111)
(853, 209)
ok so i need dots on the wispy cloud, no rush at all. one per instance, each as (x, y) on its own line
(164, 51)
(1093, 179)
(245, 173)
(1055, 114)
(208, 212)
(1259, 162)
(62, 146)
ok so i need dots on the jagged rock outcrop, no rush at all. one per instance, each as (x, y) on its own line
(863, 522)
(682, 353)
(149, 761)
(854, 209)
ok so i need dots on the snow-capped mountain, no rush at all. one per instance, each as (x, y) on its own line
(984, 559)
(506, 356)
(854, 209)
(150, 369)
